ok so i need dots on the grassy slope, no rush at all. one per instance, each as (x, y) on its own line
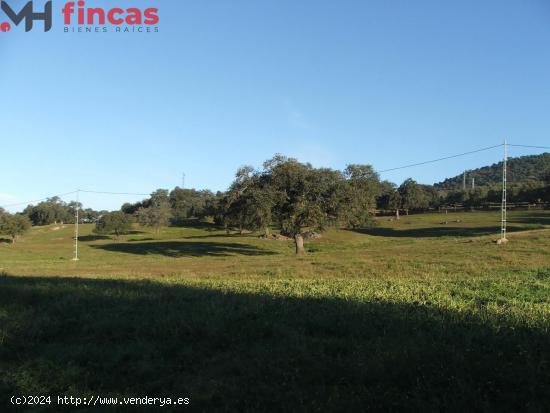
(411, 315)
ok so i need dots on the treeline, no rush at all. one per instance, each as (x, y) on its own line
(52, 211)
(55, 211)
(520, 170)
(293, 197)
(284, 194)
(528, 192)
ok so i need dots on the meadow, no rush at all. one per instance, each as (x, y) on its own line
(409, 315)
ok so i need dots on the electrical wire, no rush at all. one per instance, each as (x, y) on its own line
(382, 171)
(70, 193)
(112, 193)
(441, 159)
(531, 146)
(38, 200)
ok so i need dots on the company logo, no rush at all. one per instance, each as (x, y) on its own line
(28, 14)
(77, 17)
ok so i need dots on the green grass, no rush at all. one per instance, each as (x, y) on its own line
(414, 315)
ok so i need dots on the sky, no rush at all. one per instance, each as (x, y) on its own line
(228, 83)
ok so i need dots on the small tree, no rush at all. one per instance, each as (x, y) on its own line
(14, 225)
(116, 223)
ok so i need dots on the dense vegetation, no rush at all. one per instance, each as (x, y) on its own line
(55, 210)
(521, 170)
(13, 225)
(294, 197)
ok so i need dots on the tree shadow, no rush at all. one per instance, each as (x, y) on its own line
(184, 249)
(230, 351)
(92, 237)
(196, 223)
(434, 232)
(534, 220)
(224, 235)
(5, 241)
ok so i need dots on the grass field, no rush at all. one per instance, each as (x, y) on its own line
(411, 315)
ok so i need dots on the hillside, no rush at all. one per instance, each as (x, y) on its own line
(520, 169)
(372, 319)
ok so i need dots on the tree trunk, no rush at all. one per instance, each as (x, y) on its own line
(299, 241)
(267, 232)
(397, 214)
(13, 239)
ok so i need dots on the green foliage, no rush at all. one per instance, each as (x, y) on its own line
(520, 170)
(14, 225)
(360, 194)
(413, 196)
(55, 210)
(188, 203)
(159, 213)
(296, 196)
(248, 203)
(388, 196)
(304, 197)
(116, 223)
(51, 211)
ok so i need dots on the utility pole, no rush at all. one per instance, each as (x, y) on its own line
(503, 220)
(473, 182)
(464, 181)
(76, 225)
(183, 180)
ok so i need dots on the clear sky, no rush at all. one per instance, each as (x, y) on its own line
(226, 83)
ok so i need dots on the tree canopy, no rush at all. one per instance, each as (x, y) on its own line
(295, 196)
(114, 223)
(14, 225)
(158, 213)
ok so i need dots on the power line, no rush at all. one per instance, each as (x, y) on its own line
(71, 193)
(113, 193)
(530, 146)
(382, 171)
(441, 159)
(38, 200)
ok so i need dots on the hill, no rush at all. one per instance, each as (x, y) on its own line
(376, 319)
(520, 169)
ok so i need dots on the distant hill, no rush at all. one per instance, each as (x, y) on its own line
(521, 169)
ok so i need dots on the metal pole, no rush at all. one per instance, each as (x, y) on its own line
(503, 238)
(76, 226)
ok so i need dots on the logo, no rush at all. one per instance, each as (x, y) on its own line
(28, 14)
(78, 18)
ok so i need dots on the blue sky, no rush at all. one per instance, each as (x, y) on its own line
(227, 83)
